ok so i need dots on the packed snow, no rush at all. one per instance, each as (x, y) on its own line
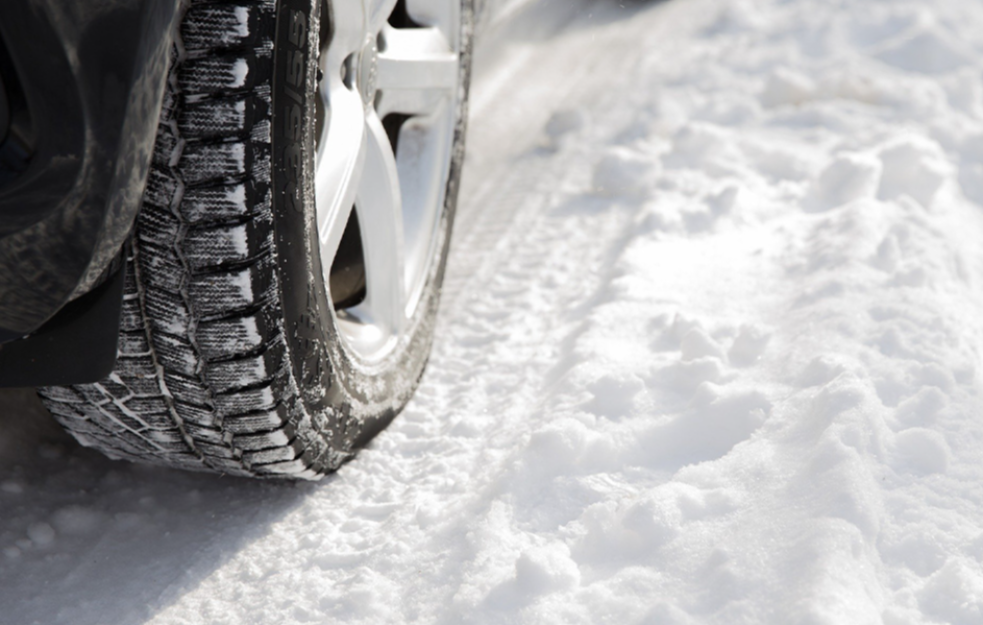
(709, 353)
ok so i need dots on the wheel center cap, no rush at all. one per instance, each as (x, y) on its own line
(368, 70)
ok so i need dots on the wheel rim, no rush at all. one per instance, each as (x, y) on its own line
(387, 106)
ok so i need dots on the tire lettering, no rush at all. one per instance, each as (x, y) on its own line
(294, 123)
(295, 67)
(298, 28)
(293, 163)
(293, 95)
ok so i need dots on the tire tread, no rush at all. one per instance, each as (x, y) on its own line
(201, 378)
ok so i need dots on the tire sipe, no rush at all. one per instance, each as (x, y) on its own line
(283, 277)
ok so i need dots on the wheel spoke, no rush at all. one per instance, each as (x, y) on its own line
(340, 163)
(348, 25)
(379, 12)
(417, 69)
(380, 211)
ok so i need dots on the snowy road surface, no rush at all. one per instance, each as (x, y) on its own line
(710, 353)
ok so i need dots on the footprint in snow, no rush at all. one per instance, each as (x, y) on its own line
(847, 178)
(749, 346)
(623, 172)
(922, 408)
(920, 450)
(715, 422)
(914, 166)
(820, 370)
(614, 395)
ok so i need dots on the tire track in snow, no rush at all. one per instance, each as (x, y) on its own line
(508, 110)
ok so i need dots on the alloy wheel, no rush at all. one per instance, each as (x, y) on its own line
(388, 91)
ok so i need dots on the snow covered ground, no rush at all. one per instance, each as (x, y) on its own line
(709, 354)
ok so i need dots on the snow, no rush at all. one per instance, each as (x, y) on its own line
(240, 71)
(242, 16)
(708, 353)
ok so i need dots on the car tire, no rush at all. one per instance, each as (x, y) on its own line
(266, 330)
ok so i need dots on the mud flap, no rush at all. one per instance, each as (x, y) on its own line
(78, 345)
